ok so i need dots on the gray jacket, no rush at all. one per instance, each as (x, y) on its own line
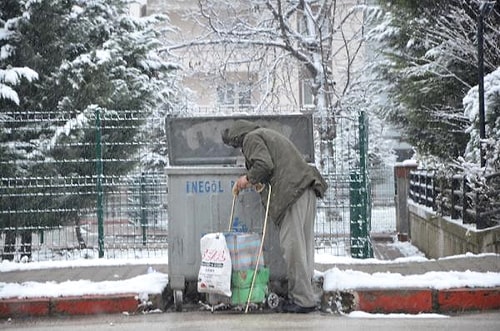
(272, 158)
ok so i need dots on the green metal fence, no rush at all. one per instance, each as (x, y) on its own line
(88, 193)
(344, 216)
(117, 208)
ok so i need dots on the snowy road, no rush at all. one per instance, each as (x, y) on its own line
(231, 321)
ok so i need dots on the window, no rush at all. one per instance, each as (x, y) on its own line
(225, 94)
(235, 95)
(306, 93)
(245, 94)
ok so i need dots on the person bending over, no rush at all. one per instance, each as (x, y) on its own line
(271, 158)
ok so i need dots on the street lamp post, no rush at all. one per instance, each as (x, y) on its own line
(484, 10)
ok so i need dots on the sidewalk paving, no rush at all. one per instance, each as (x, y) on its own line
(402, 300)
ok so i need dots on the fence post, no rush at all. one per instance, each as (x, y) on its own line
(453, 198)
(434, 192)
(402, 177)
(144, 221)
(428, 190)
(99, 171)
(360, 239)
(465, 204)
(360, 223)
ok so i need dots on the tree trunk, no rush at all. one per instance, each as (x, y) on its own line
(9, 245)
(79, 236)
(26, 244)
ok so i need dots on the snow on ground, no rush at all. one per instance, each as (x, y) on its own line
(6, 266)
(154, 282)
(342, 280)
(149, 283)
(361, 314)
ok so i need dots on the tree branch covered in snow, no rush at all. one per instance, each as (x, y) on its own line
(279, 47)
(11, 76)
(91, 58)
(427, 63)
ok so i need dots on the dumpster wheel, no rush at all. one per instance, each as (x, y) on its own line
(273, 300)
(178, 299)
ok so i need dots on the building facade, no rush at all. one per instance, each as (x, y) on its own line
(226, 70)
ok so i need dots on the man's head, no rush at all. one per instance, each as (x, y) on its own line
(234, 135)
(225, 137)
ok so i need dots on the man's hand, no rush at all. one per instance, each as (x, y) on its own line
(236, 191)
(241, 184)
(259, 187)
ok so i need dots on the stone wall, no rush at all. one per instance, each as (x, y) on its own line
(438, 237)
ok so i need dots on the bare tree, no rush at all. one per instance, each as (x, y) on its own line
(291, 49)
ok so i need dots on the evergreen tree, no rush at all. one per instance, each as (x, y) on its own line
(429, 63)
(89, 56)
(10, 76)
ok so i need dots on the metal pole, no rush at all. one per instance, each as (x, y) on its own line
(485, 9)
(144, 221)
(99, 171)
(365, 194)
(359, 200)
(480, 57)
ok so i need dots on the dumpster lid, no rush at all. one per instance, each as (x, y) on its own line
(197, 140)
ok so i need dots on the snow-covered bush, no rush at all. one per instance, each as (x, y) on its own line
(491, 143)
(485, 182)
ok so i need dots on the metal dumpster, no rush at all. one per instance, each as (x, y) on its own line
(200, 177)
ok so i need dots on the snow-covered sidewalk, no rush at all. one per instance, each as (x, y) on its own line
(344, 278)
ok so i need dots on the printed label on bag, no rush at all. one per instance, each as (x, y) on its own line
(215, 268)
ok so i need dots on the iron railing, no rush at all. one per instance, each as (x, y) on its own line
(458, 196)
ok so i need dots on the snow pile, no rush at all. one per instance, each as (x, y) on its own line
(153, 282)
(150, 283)
(338, 280)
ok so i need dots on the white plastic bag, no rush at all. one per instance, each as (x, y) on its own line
(215, 269)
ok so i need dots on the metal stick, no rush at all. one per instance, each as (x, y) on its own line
(232, 214)
(260, 250)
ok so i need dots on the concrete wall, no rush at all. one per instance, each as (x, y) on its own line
(438, 237)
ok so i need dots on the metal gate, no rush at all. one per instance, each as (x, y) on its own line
(344, 216)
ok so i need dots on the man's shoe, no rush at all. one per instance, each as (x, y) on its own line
(296, 309)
